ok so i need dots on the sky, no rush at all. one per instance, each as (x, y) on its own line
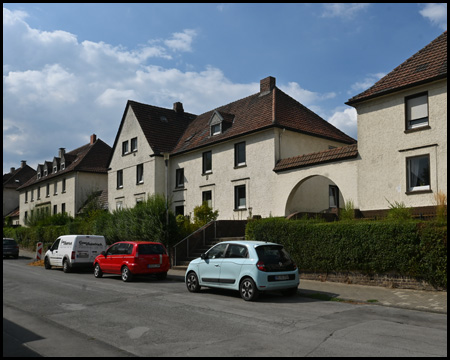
(69, 69)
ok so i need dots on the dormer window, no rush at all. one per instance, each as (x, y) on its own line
(45, 172)
(63, 166)
(39, 175)
(215, 129)
(55, 169)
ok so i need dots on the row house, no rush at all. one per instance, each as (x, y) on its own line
(402, 134)
(11, 182)
(64, 184)
(225, 156)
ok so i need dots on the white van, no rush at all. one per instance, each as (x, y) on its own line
(73, 251)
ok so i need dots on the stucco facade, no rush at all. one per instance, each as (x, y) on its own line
(384, 145)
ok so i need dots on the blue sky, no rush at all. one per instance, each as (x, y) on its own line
(69, 69)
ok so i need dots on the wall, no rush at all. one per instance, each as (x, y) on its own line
(384, 146)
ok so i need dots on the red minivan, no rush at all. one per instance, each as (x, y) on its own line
(129, 258)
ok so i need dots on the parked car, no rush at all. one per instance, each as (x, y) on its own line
(130, 258)
(10, 248)
(74, 251)
(247, 266)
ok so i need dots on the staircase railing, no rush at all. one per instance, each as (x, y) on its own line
(187, 243)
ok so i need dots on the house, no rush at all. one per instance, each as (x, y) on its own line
(11, 181)
(64, 184)
(402, 134)
(229, 156)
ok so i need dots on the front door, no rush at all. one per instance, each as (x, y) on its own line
(55, 256)
(209, 268)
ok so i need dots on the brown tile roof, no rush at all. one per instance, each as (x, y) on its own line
(18, 177)
(87, 158)
(260, 111)
(428, 64)
(326, 156)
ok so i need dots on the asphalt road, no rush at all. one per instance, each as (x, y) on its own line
(50, 313)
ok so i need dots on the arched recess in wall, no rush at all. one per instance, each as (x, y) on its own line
(314, 194)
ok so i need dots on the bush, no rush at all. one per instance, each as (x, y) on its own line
(407, 248)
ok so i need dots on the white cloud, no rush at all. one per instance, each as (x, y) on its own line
(366, 83)
(181, 41)
(304, 96)
(342, 10)
(436, 13)
(345, 120)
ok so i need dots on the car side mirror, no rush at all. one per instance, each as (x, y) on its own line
(204, 256)
(49, 248)
(103, 253)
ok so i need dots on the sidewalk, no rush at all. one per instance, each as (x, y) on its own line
(432, 301)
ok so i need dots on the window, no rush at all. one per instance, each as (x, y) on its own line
(63, 185)
(55, 188)
(38, 193)
(55, 209)
(140, 174)
(55, 169)
(179, 178)
(32, 194)
(207, 162)
(119, 205)
(63, 208)
(26, 196)
(215, 129)
(63, 166)
(333, 193)
(134, 144)
(416, 111)
(120, 179)
(179, 210)
(207, 197)
(125, 147)
(418, 170)
(236, 252)
(239, 197)
(239, 154)
(47, 192)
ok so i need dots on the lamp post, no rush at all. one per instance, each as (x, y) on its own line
(166, 161)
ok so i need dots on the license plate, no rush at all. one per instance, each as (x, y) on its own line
(151, 266)
(282, 277)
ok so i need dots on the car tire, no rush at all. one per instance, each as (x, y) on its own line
(66, 266)
(47, 263)
(127, 276)
(98, 273)
(192, 283)
(248, 289)
(161, 276)
(289, 292)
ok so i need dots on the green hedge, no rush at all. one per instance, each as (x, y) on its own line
(409, 248)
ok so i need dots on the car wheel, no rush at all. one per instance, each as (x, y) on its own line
(98, 273)
(161, 276)
(66, 266)
(248, 289)
(126, 274)
(47, 263)
(289, 292)
(192, 282)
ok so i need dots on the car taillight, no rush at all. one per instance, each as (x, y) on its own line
(73, 255)
(260, 265)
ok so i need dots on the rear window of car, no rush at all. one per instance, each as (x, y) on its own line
(9, 242)
(275, 258)
(150, 249)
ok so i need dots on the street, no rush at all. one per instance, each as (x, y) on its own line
(51, 313)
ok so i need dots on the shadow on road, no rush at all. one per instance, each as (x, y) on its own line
(14, 338)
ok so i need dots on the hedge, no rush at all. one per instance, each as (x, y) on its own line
(408, 248)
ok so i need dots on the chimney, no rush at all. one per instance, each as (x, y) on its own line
(61, 152)
(93, 138)
(12, 170)
(178, 107)
(267, 84)
(23, 163)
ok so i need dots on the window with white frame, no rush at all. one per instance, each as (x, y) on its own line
(125, 147)
(416, 111)
(119, 205)
(207, 162)
(207, 197)
(418, 173)
(333, 193)
(216, 129)
(179, 178)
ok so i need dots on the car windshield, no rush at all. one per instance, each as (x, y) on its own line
(275, 258)
(150, 249)
(9, 242)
